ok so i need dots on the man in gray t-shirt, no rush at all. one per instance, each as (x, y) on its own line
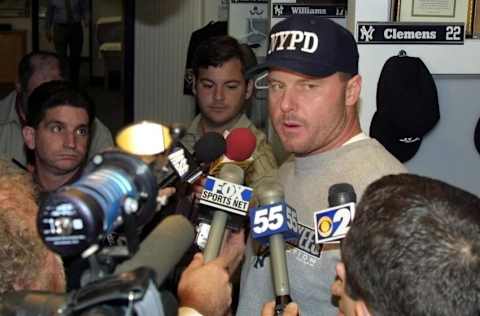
(313, 93)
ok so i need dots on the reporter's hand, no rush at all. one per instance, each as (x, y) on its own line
(233, 249)
(206, 287)
(163, 195)
(290, 310)
(197, 188)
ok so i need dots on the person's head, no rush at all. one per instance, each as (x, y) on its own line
(59, 120)
(413, 249)
(36, 68)
(220, 86)
(313, 84)
(26, 263)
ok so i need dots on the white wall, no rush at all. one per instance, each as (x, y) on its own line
(446, 153)
(162, 34)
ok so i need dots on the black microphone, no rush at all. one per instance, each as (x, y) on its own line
(188, 167)
(163, 247)
(273, 222)
(227, 196)
(341, 193)
(332, 224)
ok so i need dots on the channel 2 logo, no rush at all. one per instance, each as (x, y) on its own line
(333, 224)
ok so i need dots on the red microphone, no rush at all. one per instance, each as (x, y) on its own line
(240, 145)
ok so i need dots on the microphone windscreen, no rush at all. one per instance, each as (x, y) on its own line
(241, 143)
(163, 247)
(209, 147)
(270, 192)
(341, 193)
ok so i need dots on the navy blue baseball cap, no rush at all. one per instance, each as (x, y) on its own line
(310, 45)
(407, 106)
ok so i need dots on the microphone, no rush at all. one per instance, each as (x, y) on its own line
(189, 167)
(227, 196)
(341, 193)
(163, 247)
(333, 224)
(273, 222)
(240, 145)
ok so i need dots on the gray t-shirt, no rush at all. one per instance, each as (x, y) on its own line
(311, 267)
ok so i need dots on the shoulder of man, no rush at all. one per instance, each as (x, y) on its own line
(101, 138)
(7, 108)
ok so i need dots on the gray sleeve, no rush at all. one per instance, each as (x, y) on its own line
(101, 138)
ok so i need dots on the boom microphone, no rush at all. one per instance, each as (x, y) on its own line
(163, 247)
(273, 222)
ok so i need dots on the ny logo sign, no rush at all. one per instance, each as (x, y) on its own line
(366, 34)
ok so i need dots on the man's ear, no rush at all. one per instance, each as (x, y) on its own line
(360, 308)
(249, 91)
(29, 137)
(352, 91)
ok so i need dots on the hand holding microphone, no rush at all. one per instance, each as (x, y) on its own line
(206, 287)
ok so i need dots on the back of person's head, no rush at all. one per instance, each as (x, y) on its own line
(56, 93)
(414, 248)
(215, 51)
(38, 62)
(34, 61)
(25, 262)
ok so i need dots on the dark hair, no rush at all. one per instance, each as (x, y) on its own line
(414, 248)
(55, 93)
(217, 50)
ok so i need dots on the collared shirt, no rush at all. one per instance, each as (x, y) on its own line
(57, 13)
(11, 138)
(264, 163)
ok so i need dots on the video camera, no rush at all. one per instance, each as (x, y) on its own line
(117, 193)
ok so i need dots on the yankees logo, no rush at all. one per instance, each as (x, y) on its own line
(409, 140)
(278, 9)
(366, 34)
